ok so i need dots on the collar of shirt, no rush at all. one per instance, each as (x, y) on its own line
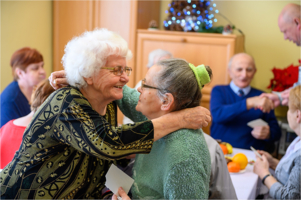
(292, 148)
(235, 89)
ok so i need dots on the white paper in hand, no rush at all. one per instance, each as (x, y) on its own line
(257, 122)
(117, 178)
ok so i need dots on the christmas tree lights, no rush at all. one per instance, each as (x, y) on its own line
(190, 16)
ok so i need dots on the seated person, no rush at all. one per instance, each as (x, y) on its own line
(236, 104)
(286, 183)
(28, 70)
(11, 133)
(153, 57)
(178, 166)
(221, 186)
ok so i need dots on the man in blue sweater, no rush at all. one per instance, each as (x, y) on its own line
(234, 105)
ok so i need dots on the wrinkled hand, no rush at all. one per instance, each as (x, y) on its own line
(262, 103)
(131, 156)
(261, 132)
(261, 166)
(122, 194)
(285, 96)
(273, 162)
(268, 156)
(58, 79)
(265, 104)
(273, 97)
(195, 118)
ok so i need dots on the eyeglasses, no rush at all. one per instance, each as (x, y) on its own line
(143, 85)
(118, 71)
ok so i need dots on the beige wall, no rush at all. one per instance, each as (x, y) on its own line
(25, 23)
(264, 41)
(29, 23)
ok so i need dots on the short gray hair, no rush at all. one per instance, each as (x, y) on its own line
(87, 53)
(156, 55)
(177, 78)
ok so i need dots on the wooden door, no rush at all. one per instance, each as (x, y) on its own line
(70, 19)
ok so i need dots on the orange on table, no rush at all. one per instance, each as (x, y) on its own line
(241, 159)
(233, 167)
(224, 148)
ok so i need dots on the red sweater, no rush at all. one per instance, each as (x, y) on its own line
(10, 140)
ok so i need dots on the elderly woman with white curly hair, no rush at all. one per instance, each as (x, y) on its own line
(73, 137)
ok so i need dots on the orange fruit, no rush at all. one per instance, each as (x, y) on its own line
(233, 167)
(241, 159)
(224, 148)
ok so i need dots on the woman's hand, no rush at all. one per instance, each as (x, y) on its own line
(58, 79)
(195, 118)
(122, 194)
(273, 162)
(261, 166)
(190, 118)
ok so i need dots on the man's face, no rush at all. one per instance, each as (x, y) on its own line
(242, 70)
(290, 30)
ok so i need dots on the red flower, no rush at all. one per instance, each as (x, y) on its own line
(284, 78)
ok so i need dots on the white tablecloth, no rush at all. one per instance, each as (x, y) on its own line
(247, 184)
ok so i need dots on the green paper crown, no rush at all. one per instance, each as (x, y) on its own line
(201, 74)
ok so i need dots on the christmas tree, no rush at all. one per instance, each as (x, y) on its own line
(190, 16)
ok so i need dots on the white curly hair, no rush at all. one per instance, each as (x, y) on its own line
(87, 53)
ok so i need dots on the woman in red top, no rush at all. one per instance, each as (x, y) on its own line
(11, 133)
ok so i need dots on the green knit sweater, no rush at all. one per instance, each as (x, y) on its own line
(178, 166)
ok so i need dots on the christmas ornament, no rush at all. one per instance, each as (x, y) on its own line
(190, 16)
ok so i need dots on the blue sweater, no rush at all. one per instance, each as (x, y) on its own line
(230, 117)
(13, 103)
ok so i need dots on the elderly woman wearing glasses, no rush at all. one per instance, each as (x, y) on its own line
(73, 137)
(178, 167)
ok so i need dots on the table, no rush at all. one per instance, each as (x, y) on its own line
(247, 185)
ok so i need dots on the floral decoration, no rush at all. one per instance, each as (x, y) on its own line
(284, 78)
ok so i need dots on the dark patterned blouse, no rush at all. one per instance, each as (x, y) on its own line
(68, 148)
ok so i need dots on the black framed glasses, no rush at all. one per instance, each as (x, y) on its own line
(143, 85)
(118, 70)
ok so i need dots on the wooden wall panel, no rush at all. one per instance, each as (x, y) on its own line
(69, 19)
(147, 11)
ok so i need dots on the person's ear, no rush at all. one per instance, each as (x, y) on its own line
(298, 116)
(297, 22)
(168, 102)
(19, 72)
(89, 80)
(229, 72)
